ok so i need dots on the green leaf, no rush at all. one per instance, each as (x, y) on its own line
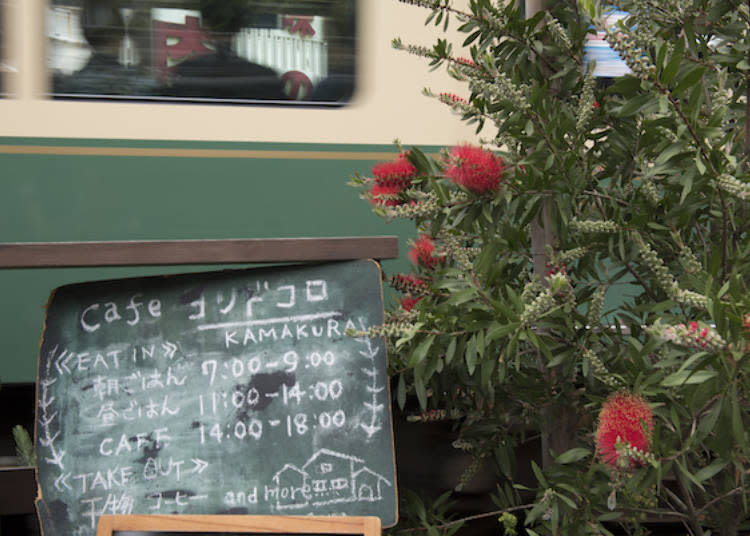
(687, 183)
(738, 429)
(461, 296)
(635, 105)
(420, 390)
(559, 358)
(668, 153)
(688, 474)
(710, 470)
(572, 455)
(401, 391)
(549, 162)
(689, 80)
(700, 166)
(487, 369)
(567, 500)
(692, 359)
(450, 351)
(499, 331)
(420, 352)
(609, 516)
(707, 424)
(471, 355)
(688, 377)
(671, 69)
(539, 475)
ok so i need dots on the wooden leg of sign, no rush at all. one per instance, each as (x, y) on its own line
(366, 526)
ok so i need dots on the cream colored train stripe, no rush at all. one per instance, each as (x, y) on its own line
(194, 153)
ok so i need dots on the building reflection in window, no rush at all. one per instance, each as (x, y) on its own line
(203, 50)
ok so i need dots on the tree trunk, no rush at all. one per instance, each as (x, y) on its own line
(558, 419)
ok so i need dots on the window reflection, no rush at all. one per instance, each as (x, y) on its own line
(227, 50)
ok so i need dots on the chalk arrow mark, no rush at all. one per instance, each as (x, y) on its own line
(374, 407)
(169, 349)
(61, 362)
(48, 441)
(48, 383)
(46, 401)
(370, 353)
(199, 466)
(371, 430)
(56, 459)
(62, 480)
(46, 421)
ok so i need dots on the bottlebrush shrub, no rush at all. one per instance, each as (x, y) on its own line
(594, 243)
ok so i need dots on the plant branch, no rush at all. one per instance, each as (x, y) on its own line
(710, 503)
(483, 515)
(641, 282)
(605, 196)
(688, 501)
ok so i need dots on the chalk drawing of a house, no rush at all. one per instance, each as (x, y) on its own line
(327, 477)
(293, 490)
(331, 477)
(369, 485)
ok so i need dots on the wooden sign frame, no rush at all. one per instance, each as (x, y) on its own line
(365, 525)
(172, 252)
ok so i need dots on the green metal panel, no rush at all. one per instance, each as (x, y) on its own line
(189, 190)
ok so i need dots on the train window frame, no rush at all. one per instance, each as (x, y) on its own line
(310, 100)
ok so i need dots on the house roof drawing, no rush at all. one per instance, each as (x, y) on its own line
(289, 467)
(327, 452)
(371, 472)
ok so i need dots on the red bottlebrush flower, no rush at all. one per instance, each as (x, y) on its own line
(693, 326)
(408, 302)
(466, 61)
(396, 173)
(408, 283)
(422, 252)
(627, 417)
(475, 169)
(384, 195)
(596, 104)
(450, 98)
(553, 269)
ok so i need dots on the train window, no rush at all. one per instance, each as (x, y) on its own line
(245, 51)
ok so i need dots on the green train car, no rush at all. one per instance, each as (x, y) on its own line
(135, 155)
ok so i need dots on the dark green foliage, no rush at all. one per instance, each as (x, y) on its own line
(640, 192)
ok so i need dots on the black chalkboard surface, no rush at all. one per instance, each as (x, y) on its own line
(233, 392)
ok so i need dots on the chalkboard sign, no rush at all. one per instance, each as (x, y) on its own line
(233, 392)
